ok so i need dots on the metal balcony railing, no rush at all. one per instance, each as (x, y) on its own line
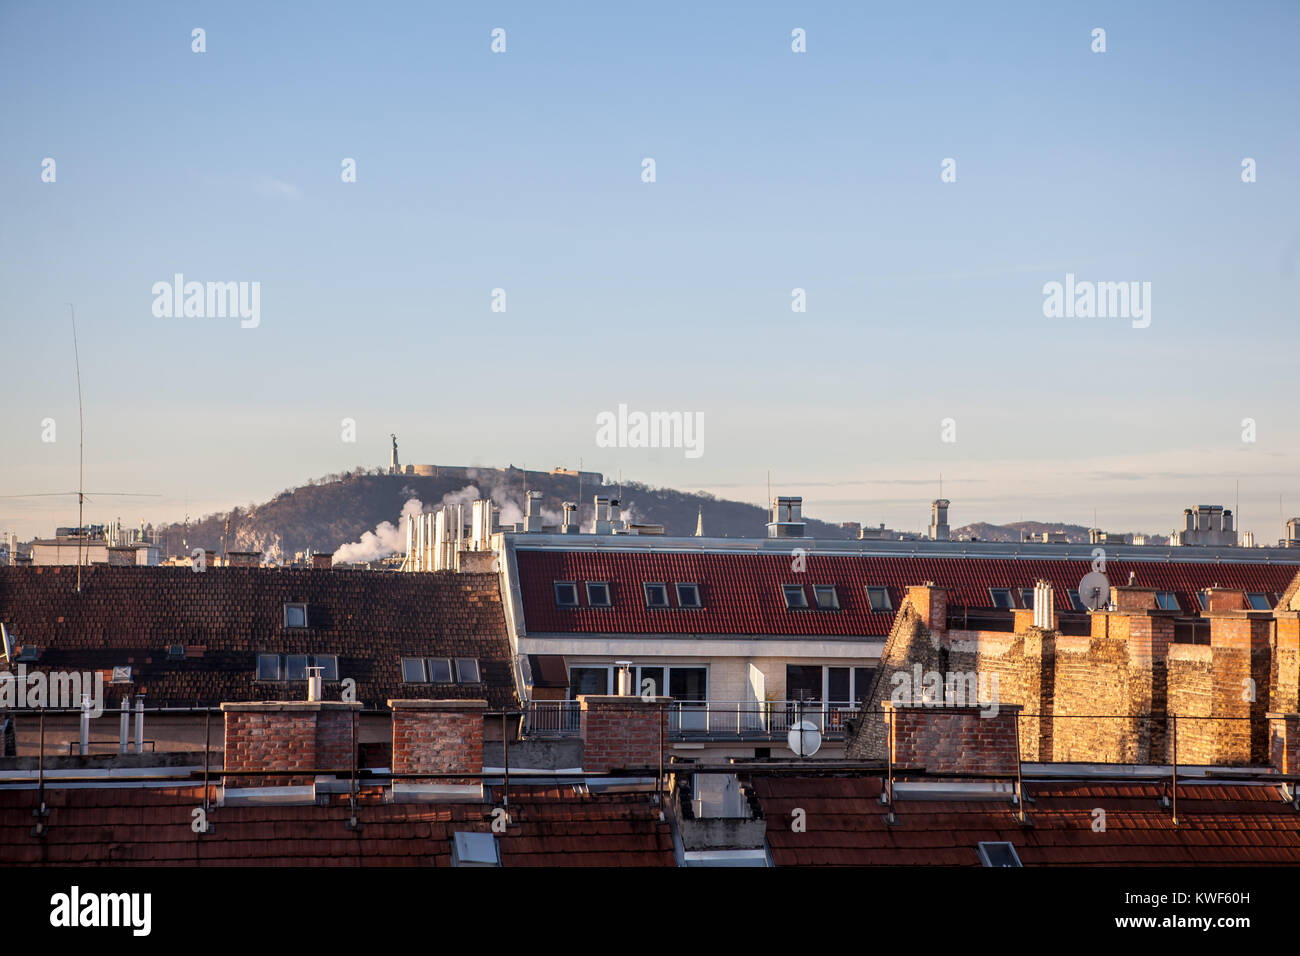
(739, 720)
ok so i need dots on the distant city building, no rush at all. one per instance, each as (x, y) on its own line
(939, 519)
(1208, 525)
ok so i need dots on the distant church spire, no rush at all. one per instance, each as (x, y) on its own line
(699, 523)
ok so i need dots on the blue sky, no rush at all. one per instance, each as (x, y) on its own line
(775, 170)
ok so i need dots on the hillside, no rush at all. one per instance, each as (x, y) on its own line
(326, 514)
(1012, 531)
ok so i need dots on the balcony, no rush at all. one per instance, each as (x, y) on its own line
(708, 720)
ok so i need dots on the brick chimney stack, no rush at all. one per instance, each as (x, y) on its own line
(931, 602)
(953, 739)
(438, 736)
(620, 733)
(287, 735)
(322, 562)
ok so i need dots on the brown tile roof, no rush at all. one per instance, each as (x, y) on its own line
(139, 826)
(226, 616)
(1219, 825)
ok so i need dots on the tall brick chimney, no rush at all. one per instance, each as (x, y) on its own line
(931, 602)
(1284, 742)
(438, 736)
(322, 562)
(953, 739)
(287, 735)
(620, 733)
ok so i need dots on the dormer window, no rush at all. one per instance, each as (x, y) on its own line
(598, 593)
(1167, 601)
(28, 653)
(1258, 601)
(1027, 598)
(688, 595)
(826, 598)
(1076, 602)
(795, 599)
(566, 594)
(656, 595)
(295, 615)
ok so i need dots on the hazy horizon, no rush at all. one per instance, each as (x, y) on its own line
(775, 171)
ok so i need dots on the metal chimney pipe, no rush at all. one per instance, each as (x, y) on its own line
(124, 734)
(315, 683)
(139, 724)
(85, 724)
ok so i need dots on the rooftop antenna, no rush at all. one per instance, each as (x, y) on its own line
(579, 501)
(81, 459)
(81, 449)
(771, 516)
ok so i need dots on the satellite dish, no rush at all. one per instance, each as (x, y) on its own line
(1094, 591)
(804, 738)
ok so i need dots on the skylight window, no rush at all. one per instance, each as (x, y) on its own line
(467, 670)
(440, 670)
(28, 653)
(1076, 602)
(1167, 601)
(998, 854)
(688, 595)
(598, 593)
(474, 849)
(294, 666)
(795, 599)
(268, 667)
(656, 595)
(1027, 598)
(295, 615)
(1259, 601)
(878, 598)
(826, 598)
(1001, 597)
(121, 675)
(566, 594)
(175, 651)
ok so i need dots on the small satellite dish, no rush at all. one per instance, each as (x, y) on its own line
(1094, 591)
(804, 738)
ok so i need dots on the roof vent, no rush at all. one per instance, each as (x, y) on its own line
(315, 683)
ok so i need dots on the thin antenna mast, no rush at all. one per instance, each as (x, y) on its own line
(81, 449)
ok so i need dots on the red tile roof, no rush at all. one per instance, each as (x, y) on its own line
(1219, 825)
(137, 826)
(226, 616)
(742, 594)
